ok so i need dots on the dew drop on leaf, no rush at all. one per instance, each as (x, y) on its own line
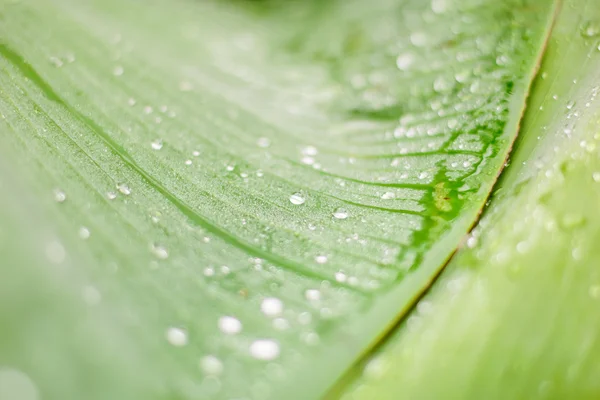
(590, 29)
(230, 325)
(157, 144)
(177, 336)
(418, 39)
(57, 62)
(159, 251)
(281, 324)
(404, 61)
(321, 259)
(297, 199)
(211, 365)
(340, 213)
(59, 196)
(124, 188)
(271, 306)
(264, 349)
(310, 151)
(84, 233)
(471, 242)
(307, 160)
(312, 294)
(340, 277)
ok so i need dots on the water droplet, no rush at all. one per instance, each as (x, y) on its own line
(271, 306)
(111, 195)
(59, 196)
(310, 338)
(84, 233)
(281, 324)
(423, 175)
(570, 105)
(264, 349)
(55, 252)
(157, 144)
(263, 142)
(177, 336)
(471, 242)
(118, 70)
(340, 213)
(230, 325)
(15, 385)
(321, 259)
(418, 39)
(522, 247)
(502, 59)
(57, 62)
(596, 176)
(124, 188)
(340, 277)
(307, 160)
(590, 29)
(131, 102)
(159, 251)
(388, 196)
(312, 294)
(404, 61)
(211, 365)
(188, 162)
(375, 368)
(297, 199)
(310, 151)
(148, 110)
(441, 84)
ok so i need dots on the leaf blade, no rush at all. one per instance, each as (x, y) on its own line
(513, 314)
(215, 216)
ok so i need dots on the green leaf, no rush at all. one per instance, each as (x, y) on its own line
(515, 313)
(237, 199)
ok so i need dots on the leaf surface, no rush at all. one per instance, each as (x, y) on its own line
(514, 314)
(241, 197)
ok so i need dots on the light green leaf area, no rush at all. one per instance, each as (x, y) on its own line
(515, 313)
(235, 199)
